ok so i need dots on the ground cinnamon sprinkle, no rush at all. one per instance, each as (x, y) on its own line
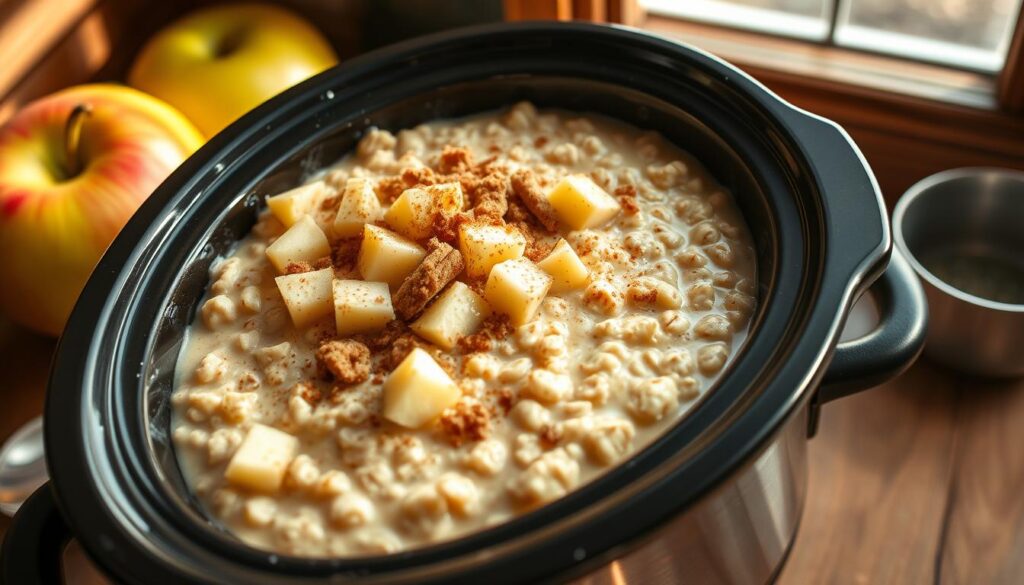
(466, 422)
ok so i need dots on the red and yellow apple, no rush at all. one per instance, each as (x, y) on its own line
(218, 63)
(74, 166)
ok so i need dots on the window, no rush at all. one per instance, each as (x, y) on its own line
(966, 34)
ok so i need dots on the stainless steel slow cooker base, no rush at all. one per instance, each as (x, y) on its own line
(739, 533)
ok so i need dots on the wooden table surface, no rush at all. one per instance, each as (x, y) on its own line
(918, 481)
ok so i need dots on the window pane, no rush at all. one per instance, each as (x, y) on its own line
(967, 33)
(806, 19)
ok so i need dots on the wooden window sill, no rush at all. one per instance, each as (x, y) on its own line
(910, 119)
(830, 64)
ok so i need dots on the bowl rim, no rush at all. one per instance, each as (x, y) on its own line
(919, 191)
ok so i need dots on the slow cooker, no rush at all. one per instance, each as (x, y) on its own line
(717, 499)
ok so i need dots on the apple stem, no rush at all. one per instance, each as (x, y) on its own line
(72, 137)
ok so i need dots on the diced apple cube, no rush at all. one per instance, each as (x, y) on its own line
(417, 391)
(361, 307)
(447, 197)
(303, 242)
(359, 206)
(455, 314)
(289, 206)
(412, 214)
(581, 204)
(385, 256)
(483, 246)
(262, 459)
(516, 288)
(309, 296)
(566, 269)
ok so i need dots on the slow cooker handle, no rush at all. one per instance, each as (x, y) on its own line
(34, 544)
(892, 346)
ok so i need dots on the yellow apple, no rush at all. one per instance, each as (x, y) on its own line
(217, 63)
(69, 182)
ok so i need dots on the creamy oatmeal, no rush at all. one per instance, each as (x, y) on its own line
(454, 325)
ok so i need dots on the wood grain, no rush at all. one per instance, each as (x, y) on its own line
(985, 530)
(28, 30)
(627, 12)
(590, 10)
(880, 469)
(1010, 89)
(538, 9)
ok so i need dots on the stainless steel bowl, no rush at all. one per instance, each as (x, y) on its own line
(963, 232)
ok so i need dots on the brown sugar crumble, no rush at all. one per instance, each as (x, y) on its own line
(298, 267)
(345, 252)
(440, 266)
(384, 338)
(396, 351)
(455, 160)
(524, 183)
(347, 360)
(446, 227)
(466, 421)
(491, 197)
(494, 328)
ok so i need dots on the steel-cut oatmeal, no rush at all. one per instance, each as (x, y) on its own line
(455, 324)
